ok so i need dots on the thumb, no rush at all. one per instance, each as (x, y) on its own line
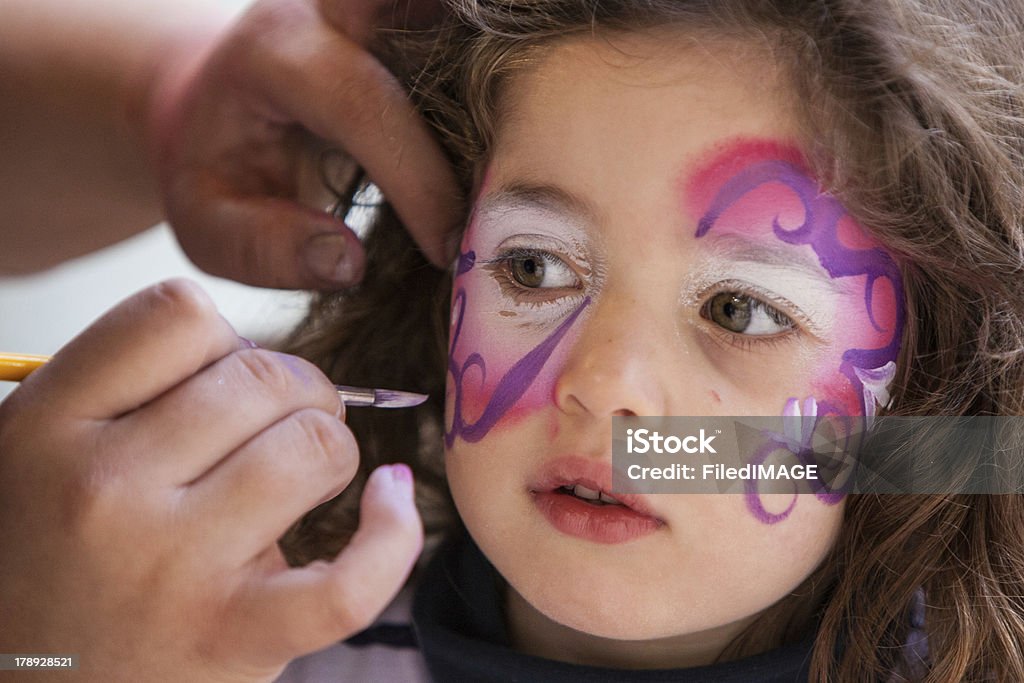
(360, 18)
(301, 610)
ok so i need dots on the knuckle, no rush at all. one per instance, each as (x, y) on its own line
(182, 299)
(350, 610)
(90, 504)
(364, 77)
(279, 26)
(281, 14)
(267, 370)
(288, 379)
(328, 440)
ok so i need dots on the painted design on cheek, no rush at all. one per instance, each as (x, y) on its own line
(512, 385)
(876, 387)
(797, 438)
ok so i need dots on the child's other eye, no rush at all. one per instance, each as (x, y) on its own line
(741, 313)
(540, 270)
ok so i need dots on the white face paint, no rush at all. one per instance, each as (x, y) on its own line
(796, 286)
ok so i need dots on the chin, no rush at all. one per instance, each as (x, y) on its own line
(610, 600)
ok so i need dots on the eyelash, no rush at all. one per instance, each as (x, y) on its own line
(746, 342)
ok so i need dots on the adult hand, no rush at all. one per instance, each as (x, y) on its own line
(236, 129)
(145, 475)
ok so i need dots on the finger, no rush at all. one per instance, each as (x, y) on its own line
(359, 19)
(264, 241)
(297, 611)
(190, 428)
(258, 491)
(342, 94)
(135, 352)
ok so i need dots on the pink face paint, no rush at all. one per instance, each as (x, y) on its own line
(509, 389)
(483, 392)
(764, 190)
(872, 328)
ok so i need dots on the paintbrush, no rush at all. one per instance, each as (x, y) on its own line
(15, 367)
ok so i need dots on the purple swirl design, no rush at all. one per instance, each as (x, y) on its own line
(820, 229)
(798, 439)
(512, 385)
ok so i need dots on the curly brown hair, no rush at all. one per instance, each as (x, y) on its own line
(913, 115)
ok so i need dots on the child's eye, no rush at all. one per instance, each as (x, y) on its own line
(533, 276)
(741, 313)
(540, 270)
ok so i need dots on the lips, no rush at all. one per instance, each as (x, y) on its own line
(574, 496)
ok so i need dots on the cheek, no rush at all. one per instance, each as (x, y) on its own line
(502, 367)
(485, 347)
(498, 367)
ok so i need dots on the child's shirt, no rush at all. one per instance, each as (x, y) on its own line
(453, 629)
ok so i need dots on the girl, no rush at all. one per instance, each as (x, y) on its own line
(698, 208)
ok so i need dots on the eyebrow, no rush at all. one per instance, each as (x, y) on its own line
(551, 198)
(745, 250)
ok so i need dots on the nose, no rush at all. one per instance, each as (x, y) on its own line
(621, 363)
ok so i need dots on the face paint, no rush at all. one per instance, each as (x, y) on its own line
(763, 190)
(797, 439)
(842, 248)
(472, 389)
(512, 385)
(589, 171)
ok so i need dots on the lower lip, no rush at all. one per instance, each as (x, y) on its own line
(597, 523)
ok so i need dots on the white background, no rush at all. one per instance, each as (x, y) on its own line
(40, 313)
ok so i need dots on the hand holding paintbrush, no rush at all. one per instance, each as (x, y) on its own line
(153, 463)
(15, 367)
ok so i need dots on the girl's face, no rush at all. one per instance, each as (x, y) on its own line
(648, 241)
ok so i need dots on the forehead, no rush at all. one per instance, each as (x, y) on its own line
(602, 115)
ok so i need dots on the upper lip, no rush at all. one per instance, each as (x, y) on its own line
(589, 472)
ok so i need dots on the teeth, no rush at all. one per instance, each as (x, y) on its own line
(583, 492)
(590, 494)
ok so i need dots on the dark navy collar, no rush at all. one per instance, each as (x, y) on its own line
(459, 620)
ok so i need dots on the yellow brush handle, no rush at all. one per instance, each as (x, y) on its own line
(15, 367)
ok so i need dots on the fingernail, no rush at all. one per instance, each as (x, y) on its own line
(328, 257)
(401, 475)
(249, 342)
